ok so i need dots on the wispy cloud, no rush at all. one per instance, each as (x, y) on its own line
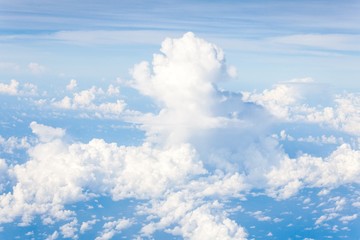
(335, 42)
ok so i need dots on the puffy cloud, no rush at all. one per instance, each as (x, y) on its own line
(46, 133)
(11, 88)
(3, 174)
(86, 226)
(323, 139)
(333, 212)
(340, 167)
(259, 215)
(69, 230)
(84, 100)
(29, 89)
(114, 227)
(203, 223)
(227, 133)
(53, 236)
(36, 68)
(192, 217)
(181, 79)
(111, 107)
(204, 147)
(112, 90)
(13, 143)
(345, 115)
(85, 97)
(58, 173)
(17, 89)
(286, 101)
(72, 84)
(276, 100)
(346, 219)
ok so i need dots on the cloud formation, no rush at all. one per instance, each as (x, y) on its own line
(86, 100)
(14, 88)
(204, 147)
(36, 68)
(286, 101)
(341, 167)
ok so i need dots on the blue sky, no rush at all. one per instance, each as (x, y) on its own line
(179, 120)
(317, 39)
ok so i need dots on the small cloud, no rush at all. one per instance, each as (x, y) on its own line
(72, 84)
(114, 227)
(307, 201)
(69, 230)
(46, 133)
(231, 71)
(259, 215)
(346, 219)
(86, 226)
(14, 88)
(112, 90)
(36, 68)
(53, 236)
(9, 89)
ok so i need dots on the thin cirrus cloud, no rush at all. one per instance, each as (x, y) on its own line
(336, 42)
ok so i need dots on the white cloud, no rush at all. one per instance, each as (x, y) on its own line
(346, 219)
(86, 226)
(72, 85)
(228, 133)
(181, 80)
(10, 89)
(112, 90)
(341, 167)
(356, 204)
(259, 215)
(114, 227)
(286, 101)
(203, 223)
(36, 68)
(53, 236)
(345, 115)
(58, 173)
(85, 100)
(46, 133)
(85, 97)
(111, 107)
(204, 147)
(323, 139)
(186, 209)
(13, 143)
(29, 89)
(3, 175)
(16, 89)
(69, 230)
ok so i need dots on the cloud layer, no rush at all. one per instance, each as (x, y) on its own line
(203, 148)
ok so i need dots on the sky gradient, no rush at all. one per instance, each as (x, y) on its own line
(179, 120)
